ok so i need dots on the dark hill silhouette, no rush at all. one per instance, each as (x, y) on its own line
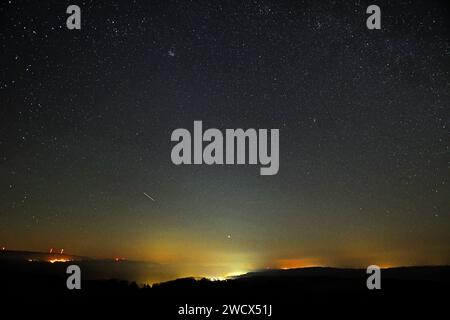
(323, 289)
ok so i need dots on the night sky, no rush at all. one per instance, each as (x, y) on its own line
(86, 118)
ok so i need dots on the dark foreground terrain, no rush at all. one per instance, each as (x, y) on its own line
(291, 293)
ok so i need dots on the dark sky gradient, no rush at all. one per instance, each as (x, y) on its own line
(86, 118)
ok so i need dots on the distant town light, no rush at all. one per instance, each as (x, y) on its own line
(58, 260)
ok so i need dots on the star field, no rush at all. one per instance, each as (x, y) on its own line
(86, 118)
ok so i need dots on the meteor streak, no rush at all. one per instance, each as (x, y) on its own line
(148, 196)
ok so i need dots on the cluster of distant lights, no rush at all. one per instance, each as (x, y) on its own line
(117, 259)
(51, 260)
(60, 260)
(228, 276)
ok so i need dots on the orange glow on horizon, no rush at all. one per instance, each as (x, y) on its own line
(297, 263)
